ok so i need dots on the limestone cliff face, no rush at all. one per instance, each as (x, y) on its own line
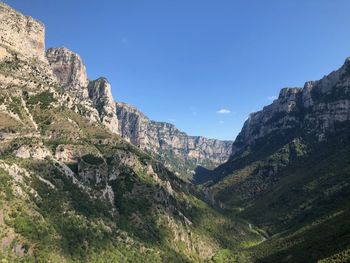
(21, 34)
(70, 71)
(101, 95)
(160, 136)
(316, 108)
(134, 126)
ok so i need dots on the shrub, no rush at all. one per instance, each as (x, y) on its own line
(44, 99)
(92, 159)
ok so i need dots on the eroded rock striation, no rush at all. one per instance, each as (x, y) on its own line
(70, 71)
(315, 108)
(23, 34)
(161, 136)
(101, 95)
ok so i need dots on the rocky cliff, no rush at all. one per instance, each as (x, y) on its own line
(160, 136)
(315, 108)
(282, 133)
(22, 34)
(289, 172)
(100, 94)
(72, 191)
(95, 95)
(70, 71)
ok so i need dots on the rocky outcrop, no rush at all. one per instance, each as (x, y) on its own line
(37, 152)
(101, 95)
(22, 51)
(160, 136)
(70, 71)
(21, 34)
(316, 109)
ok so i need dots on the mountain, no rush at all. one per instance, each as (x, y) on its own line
(86, 179)
(180, 152)
(71, 188)
(289, 173)
(96, 95)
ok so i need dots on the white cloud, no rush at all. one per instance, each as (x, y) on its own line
(272, 97)
(223, 111)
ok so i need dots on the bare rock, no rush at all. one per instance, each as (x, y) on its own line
(95, 96)
(315, 108)
(101, 95)
(69, 70)
(160, 136)
(32, 151)
(22, 34)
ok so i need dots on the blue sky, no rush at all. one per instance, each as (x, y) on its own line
(202, 64)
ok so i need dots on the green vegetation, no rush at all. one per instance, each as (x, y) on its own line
(284, 198)
(297, 193)
(44, 99)
(5, 187)
(226, 255)
(65, 223)
(340, 257)
(183, 168)
(77, 225)
(15, 106)
(92, 159)
(9, 65)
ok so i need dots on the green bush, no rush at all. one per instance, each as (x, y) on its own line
(44, 99)
(92, 159)
(5, 185)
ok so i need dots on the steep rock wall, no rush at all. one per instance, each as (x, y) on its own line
(161, 136)
(22, 34)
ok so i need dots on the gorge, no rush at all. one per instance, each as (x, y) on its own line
(85, 178)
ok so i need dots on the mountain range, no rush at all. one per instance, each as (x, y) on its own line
(84, 178)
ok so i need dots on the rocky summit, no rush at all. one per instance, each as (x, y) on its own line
(84, 178)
